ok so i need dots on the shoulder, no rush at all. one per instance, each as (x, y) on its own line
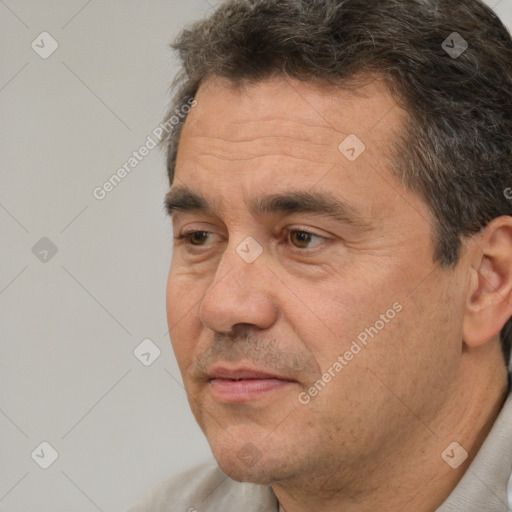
(205, 488)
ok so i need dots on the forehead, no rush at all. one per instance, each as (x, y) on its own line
(282, 134)
(319, 114)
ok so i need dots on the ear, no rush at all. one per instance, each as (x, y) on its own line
(489, 301)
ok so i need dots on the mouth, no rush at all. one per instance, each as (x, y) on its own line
(237, 385)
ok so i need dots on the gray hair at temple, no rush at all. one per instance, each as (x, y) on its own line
(455, 149)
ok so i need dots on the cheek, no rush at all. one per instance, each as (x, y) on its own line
(172, 304)
(350, 308)
(434, 311)
(415, 356)
(182, 304)
(183, 292)
(358, 331)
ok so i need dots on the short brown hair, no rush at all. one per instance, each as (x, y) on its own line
(455, 150)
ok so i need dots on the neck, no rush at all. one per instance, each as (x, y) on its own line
(412, 477)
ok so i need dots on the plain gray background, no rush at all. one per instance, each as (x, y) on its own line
(70, 321)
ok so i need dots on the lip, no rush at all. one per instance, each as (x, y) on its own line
(222, 372)
(235, 385)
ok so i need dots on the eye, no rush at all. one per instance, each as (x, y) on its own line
(194, 237)
(301, 239)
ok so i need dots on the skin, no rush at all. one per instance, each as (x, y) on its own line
(374, 435)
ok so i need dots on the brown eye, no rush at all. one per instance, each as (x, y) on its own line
(193, 237)
(302, 239)
(197, 237)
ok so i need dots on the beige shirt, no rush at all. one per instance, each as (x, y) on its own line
(483, 488)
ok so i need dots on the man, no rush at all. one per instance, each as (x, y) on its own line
(340, 295)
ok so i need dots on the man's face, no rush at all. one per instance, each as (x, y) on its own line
(288, 289)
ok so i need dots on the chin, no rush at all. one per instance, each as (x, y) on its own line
(245, 462)
(241, 472)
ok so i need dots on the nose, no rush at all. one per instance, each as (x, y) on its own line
(241, 295)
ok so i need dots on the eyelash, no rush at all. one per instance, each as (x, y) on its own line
(186, 237)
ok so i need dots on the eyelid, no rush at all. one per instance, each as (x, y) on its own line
(305, 229)
(207, 228)
(182, 237)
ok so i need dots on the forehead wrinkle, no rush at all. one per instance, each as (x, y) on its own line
(255, 157)
(259, 128)
(265, 146)
(299, 140)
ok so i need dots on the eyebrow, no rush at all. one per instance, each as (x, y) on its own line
(181, 198)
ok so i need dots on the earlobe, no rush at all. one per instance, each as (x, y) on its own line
(489, 303)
